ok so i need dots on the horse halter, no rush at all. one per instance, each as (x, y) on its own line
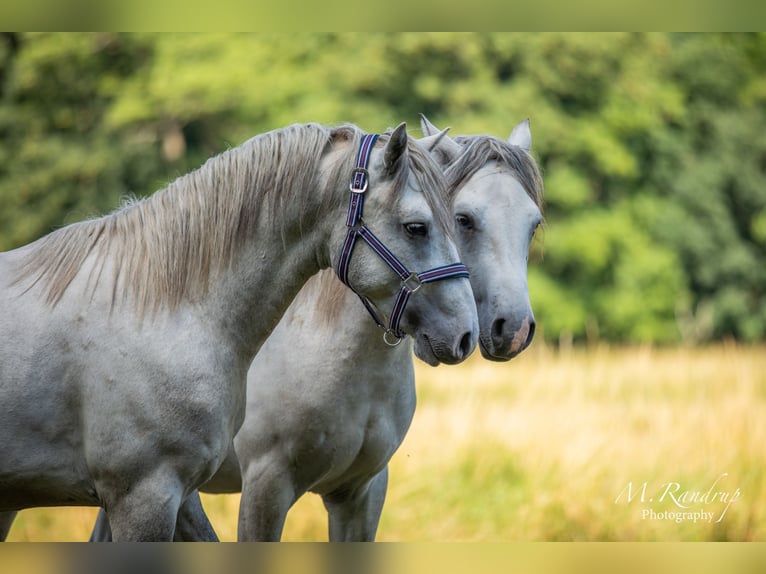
(410, 282)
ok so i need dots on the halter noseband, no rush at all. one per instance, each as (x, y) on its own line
(410, 282)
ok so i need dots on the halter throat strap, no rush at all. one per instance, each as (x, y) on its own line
(357, 229)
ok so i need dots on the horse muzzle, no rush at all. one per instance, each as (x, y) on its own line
(507, 338)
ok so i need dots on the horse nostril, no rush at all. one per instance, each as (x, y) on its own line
(466, 344)
(497, 331)
(531, 334)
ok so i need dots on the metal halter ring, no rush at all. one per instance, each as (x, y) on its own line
(413, 277)
(365, 178)
(388, 335)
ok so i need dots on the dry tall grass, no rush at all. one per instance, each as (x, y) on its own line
(545, 447)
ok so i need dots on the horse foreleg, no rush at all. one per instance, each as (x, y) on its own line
(6, 521)
(102, 532)
(267, 496)
(147, 511)
(193, 524)
(354, 515)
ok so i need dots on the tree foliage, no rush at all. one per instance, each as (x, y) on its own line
(651, 146)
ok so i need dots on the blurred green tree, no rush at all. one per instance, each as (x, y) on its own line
(718, 187)
(58, 162)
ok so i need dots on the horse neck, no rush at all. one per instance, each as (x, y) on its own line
(327, 306)
(330, 321)
(285, 218)
(251, 296)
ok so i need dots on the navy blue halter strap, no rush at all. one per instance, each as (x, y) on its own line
(410, 282)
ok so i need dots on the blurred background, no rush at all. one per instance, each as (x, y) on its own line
(647, 279)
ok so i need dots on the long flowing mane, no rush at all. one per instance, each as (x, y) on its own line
(169, 246)
(478, 150)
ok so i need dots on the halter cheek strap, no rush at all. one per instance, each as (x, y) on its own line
(410, 282)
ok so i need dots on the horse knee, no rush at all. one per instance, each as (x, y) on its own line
(147, 512)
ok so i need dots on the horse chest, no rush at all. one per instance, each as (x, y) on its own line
(355, 448)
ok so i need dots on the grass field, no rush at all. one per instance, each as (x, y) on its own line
(581, 444)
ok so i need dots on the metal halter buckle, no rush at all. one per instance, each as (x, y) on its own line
(412, 278)
(366, 179)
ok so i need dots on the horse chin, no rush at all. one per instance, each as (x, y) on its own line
(490, 354)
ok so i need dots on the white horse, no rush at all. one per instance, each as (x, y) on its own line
(125, 340)
(329, 418)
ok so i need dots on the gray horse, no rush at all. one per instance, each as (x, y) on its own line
(125, 340)
(328, 419)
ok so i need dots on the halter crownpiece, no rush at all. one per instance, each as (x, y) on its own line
(410, 282)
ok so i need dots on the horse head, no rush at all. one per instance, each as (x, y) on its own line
(402, 242)
(496, 201)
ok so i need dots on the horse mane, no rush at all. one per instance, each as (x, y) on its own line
(169, 246)
(479, 149)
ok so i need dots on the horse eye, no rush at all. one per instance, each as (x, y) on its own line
(534, 231)
(416, 229)
(464, 221)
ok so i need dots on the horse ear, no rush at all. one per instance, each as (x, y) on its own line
(428, 128)
(396, 148)
(521, 136)
(442, 147)
(431, 141)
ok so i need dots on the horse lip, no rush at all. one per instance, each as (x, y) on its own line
(490, 356)
(442, 353)
(445, 358)
(431, 357)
